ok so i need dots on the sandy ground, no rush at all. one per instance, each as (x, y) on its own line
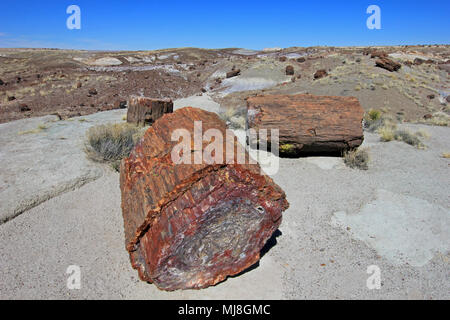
(396, 216)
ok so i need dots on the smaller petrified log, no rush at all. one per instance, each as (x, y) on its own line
(307, 124)
(378, 54)
(320, 74)
(233, 73)
(289, 70)
(388, 64)
(142, 111)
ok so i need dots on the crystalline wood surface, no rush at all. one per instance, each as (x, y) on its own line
(192, 225)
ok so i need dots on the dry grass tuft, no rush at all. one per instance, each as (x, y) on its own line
(234, 117)
(409, 138)
(386, 133)
(111, 143)
(40, 128)
(376, 119)
(357, 159)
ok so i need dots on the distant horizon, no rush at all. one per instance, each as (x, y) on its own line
(229, 48)
(154, 25)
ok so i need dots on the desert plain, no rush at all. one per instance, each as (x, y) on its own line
(58, 208)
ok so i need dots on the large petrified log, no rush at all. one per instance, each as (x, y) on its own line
(142, 110)
(307, 124)
(192, 225)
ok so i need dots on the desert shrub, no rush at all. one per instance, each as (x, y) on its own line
(112, 142)
(423, 134)
(386, 133)
(374, 114)
(408, 137)
(287, 149)
(234, 117)
(390, 133)
(438, 119)
(357, 159)
(376, 119)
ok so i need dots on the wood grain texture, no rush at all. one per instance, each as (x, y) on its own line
(192, 225)
(145, 111)
(308, 124)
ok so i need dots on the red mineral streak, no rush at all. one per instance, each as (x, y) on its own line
(193, 225)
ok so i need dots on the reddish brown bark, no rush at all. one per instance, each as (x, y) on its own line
(192, 225)
(308, 124)
(388, 64)
(144, 111)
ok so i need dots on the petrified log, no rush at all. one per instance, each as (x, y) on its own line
(233, 73)
(192, 225)
(378, 54)
(320, 74)
(142, 110)
(307, 124)
(289, 70)
(388, 64)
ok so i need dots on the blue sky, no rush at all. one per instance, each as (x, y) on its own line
(139, 25)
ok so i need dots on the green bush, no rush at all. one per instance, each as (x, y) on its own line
(374, 114)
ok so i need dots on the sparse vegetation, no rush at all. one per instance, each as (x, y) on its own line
(39, 128)
(111, 143)
(287, 149)
(423, 134)
(376, 119)
(438, 119)
(386, 133)
(409, 138)
(374, 114)
(357, 159)
(234, 117)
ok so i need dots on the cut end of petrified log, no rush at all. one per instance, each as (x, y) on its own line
(189, 226)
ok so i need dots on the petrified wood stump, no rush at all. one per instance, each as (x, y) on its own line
(307, 124)
(192, 225)
(142, 111)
